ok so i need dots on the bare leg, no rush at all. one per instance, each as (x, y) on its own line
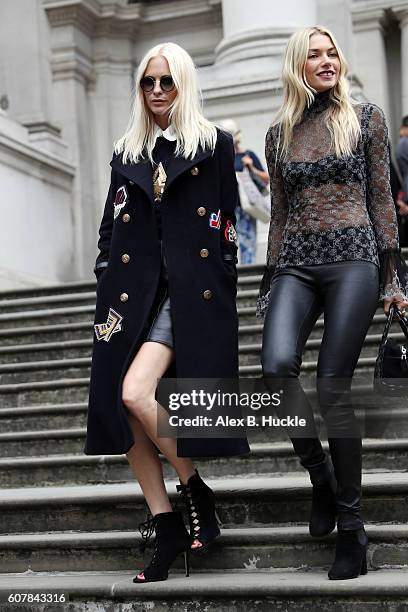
(139, 388)
(147, 467)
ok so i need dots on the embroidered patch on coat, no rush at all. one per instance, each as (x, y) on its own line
(230, 233)
(104, 331)
(121, 198)
(215, 220)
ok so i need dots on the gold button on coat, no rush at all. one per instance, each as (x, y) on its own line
(126, 218)
(204, 253)
(201, 211)
(125, 258)
(124, 297)
(195, 171)
(207, 295)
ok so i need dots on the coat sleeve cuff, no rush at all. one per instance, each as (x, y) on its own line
(393, 275)
(100, 266)
(264, 292)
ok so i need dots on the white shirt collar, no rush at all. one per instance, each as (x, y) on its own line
(168, 133)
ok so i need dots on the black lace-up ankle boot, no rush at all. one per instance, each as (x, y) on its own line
(200, 503)
(171, 539)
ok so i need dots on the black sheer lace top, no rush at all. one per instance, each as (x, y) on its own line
(326, 209)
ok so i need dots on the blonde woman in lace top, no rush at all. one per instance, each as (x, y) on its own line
(332, 249)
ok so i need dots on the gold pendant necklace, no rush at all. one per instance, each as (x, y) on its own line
(159, 182)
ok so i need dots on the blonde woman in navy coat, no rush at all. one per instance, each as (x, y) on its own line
(166, 294)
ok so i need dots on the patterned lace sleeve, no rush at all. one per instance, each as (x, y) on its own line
(279, 212)
(393, 269)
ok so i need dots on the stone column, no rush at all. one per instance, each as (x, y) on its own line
(403, 22)
(25, 74)
(336, 16)
(36, 233)
(370, 54)
(73, 76)
(245, 81)
(91, 60)
(110, 100)
(258, 30)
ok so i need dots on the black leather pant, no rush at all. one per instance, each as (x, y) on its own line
(347, 293)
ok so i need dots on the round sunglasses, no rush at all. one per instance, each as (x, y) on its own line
(147, 83)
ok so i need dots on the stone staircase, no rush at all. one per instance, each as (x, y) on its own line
(68, 522)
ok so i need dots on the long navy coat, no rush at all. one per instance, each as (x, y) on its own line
(197, 211)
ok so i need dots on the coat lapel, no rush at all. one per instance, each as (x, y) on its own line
(141, 173)
(178, 165)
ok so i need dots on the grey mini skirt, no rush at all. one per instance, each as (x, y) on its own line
(161, 329)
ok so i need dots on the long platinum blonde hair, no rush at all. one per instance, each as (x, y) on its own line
(186, 117)
(341, 119)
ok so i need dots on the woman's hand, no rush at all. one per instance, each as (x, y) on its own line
(402, 208)
(400, 302)
(248, 162)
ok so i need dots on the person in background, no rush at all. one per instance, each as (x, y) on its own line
(246, 225)
(402, 200)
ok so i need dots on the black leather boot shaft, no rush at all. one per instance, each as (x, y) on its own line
(346, 455)
(323, 512)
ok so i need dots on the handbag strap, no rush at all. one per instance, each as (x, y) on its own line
(395, 313)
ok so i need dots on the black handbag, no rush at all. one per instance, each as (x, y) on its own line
(391, 366)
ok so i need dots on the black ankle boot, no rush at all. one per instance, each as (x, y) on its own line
(351, 555)
(200, 503)
(323, 513)
(171, 539)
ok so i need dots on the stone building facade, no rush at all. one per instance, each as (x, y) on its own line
(66, 79)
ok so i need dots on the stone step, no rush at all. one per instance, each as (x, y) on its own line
(36, 338)
(252, 333)
(39, 351)
(79, 367)
(66, 315)
(36, 334)
(246, 296)
(249, 549)
(82, 330)
(247, 317)
(79, 348)
(45, 442)
(250, 281)
(364, 369)
(236, 591)
(246, 275)
(251, 269)
(64, 324)
(44, 392)
(37, 418)
(241, 502)
(64, 300)
(250, 354)
(377, 414)
(37, 318)
(266, 458)
(60, 390)
(39, 371)
(247, 293)
(48, 290)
